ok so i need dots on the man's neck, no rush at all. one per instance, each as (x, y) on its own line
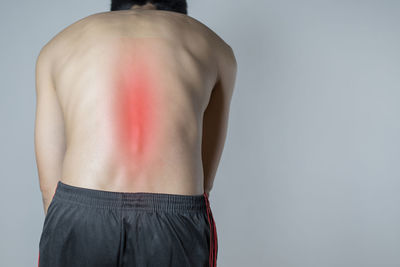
(143, 7)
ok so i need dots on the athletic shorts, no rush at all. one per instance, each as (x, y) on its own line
(96, 228)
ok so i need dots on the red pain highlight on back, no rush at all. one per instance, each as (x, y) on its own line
(137, 110)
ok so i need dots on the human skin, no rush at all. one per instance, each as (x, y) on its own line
(137, 107)
(133, 101)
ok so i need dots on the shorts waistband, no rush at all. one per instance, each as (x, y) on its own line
(130, 200)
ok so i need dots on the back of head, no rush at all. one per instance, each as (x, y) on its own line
(179, 6)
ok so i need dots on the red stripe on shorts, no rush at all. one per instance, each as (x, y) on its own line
(213, 234)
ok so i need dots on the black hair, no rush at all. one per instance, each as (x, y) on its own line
(179, 6)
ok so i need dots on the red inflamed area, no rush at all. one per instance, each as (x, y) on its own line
(137, 110)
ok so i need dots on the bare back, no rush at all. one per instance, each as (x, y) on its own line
(133, 88)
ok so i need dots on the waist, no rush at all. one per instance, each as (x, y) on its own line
(130, 200)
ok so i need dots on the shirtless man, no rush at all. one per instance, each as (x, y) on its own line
(131, 120)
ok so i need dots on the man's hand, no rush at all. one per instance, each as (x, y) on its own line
(47, 197)
(46, 204)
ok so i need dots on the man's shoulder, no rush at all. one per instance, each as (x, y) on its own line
(207, 31)
(64, 35)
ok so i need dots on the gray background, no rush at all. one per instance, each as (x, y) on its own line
(310, 171)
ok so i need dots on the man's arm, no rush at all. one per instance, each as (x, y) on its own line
(215, 119)
(49, 131)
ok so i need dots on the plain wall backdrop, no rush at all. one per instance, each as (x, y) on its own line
(310, 173)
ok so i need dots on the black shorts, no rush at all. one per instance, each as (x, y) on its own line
(88, 228)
